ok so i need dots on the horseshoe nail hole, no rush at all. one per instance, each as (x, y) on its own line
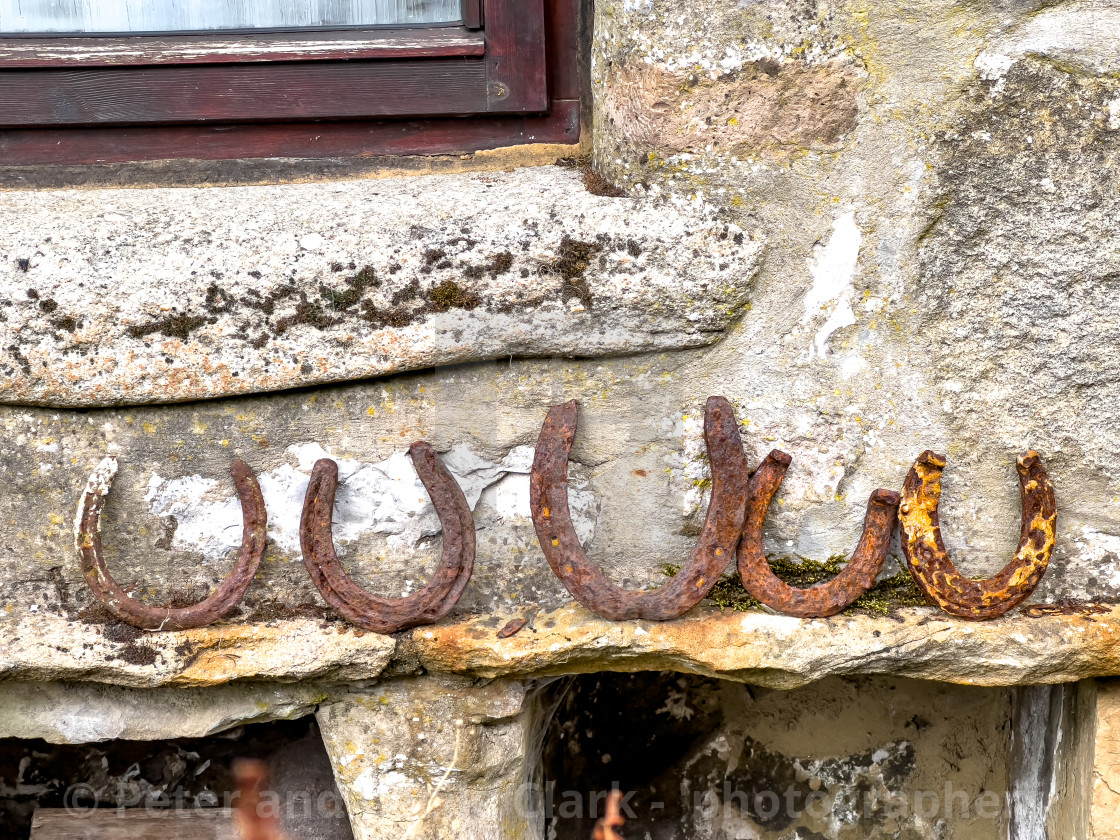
(547, 513)
(719, 552)
(700, 583)
(556, 541)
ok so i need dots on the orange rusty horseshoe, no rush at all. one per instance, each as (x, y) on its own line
(930, 564)
(389, 615)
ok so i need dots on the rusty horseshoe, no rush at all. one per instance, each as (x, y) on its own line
(132, 611)
(930, 564)
(388, 615)
(823, 599)
(548, 502)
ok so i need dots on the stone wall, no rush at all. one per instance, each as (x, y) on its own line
(877, 228)
(894, 222)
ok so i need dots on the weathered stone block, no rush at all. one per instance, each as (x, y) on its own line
(44, 647)
(754, 647)
(434, 758)
(1105, 819)
(159, 295)
(83, 712)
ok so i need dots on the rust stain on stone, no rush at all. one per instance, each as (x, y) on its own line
(1066, 606)
(514, 627)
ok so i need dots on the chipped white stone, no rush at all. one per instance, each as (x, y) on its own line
(833, 268)
(100, 480)
(1101, 552)
(386, 497)
(992, 67)
(1080, 34)
(312, 242)
(48, 648)
(82, 713)
(366, 784)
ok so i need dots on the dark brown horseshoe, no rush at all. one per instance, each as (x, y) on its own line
(823, 599)
(548, 501)
(930, 564)
(137, 613)
(389, 615)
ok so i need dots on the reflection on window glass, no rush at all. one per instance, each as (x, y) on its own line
(108, 16)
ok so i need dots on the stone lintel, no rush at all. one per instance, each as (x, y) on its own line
(754, 647)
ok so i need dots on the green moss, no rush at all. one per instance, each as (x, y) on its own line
(450, 294)
(356, 285)
(888, 594)
(597, 183)
(173, 326)
(366, 278)
(891, 593)
(308, 313)
(340, 299)
(573, 259)
(501, 263)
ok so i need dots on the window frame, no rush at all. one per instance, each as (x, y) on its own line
(506, 75)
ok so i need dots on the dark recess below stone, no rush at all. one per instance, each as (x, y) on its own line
(190, 773)
(660, 738)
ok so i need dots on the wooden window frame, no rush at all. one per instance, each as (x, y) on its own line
(507, 75)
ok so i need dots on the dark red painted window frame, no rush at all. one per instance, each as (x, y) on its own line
(507, 76)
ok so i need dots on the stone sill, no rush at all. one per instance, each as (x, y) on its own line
(754, 647)
(155, 296)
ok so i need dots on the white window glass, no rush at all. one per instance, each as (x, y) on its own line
(112, 16)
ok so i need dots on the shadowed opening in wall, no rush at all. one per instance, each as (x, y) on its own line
(82, 785)
(703, 759)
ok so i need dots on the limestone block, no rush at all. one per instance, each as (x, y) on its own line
(158, 295)
(434, 758)
(45, 647)
(781, 651)
(753, 647)
(81, 713)
(1105, 819)
(721, 81)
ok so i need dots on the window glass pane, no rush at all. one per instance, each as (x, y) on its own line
(106, 16)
